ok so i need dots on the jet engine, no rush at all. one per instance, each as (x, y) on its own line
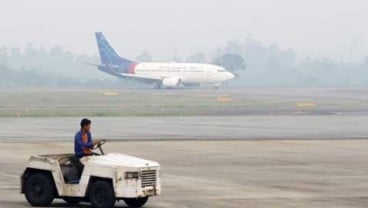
(171, 82)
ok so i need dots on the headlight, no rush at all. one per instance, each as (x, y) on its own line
(131, 175)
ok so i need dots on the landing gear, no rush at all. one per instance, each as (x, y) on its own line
(216, 86)
(158, 86)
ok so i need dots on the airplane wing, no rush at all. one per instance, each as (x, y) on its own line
(140, 78)
(130, 76)
(92, 64)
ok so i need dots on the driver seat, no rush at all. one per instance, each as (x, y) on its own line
(72, 171)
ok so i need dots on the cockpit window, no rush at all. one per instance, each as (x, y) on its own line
(221, 70)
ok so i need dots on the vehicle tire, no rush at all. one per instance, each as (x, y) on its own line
(72, 200)
(136, 202)
(101, 195)
(40, 190)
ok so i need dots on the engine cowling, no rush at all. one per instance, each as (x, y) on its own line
(171, 82)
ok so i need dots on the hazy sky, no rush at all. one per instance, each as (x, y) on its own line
(334, 28)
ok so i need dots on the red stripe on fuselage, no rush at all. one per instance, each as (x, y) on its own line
(131, 69)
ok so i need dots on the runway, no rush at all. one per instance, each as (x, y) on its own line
(188, 128)
(233, 174)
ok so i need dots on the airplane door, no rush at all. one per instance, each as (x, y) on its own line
(209, 75)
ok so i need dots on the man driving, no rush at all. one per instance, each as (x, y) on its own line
(83, 143)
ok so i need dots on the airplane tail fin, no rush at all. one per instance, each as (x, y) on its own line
(107, 53)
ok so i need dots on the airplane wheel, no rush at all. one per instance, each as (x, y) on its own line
(40, 190)
(136, 202)
(158, 86)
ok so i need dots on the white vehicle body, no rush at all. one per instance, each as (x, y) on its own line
(112, 167)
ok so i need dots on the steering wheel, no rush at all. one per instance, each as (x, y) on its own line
(102, 142)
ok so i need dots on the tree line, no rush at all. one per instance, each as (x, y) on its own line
(256, 64)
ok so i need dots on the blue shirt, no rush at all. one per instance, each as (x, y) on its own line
(79, 144)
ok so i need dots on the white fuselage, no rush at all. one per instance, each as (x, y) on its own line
(185, 73)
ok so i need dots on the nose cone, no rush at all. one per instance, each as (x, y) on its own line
(229, 76)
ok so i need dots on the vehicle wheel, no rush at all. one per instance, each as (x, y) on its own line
(72, 200)
(102, 195)
(136, 202)
(40, 190)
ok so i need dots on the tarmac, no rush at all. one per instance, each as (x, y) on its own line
(272, 148)
(207, 174)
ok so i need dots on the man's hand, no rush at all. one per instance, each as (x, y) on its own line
(96, 142)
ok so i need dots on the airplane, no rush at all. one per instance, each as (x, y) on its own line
(161, 75)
